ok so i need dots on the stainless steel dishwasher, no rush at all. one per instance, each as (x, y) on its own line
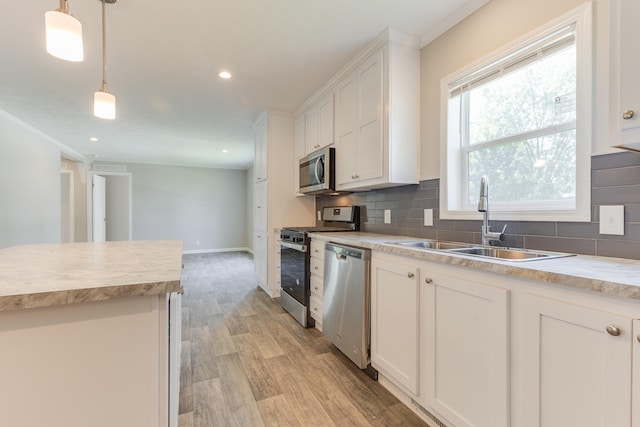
(346, 312)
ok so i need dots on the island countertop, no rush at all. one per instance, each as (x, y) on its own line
(41, 275)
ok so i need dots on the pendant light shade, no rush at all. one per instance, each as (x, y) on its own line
(104, 105)
(63, 34)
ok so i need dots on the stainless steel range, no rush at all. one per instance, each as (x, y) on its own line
(295, 258)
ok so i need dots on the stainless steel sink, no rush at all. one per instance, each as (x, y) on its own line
(509, 254)
(433, 244)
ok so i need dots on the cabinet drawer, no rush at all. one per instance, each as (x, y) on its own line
(317, 286)
(317, 267)
(317, 249)
(315, 306)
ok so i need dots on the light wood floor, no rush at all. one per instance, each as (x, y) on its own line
(246, 362)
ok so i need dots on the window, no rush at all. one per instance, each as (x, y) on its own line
(523, 118)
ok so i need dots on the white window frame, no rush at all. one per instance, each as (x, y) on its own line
(452, 187)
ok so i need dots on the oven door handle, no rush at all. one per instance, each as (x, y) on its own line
(299, 248)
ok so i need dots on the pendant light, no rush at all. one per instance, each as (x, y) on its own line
(63, 34)
(104, 103)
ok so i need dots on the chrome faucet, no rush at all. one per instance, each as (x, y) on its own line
(488, 236)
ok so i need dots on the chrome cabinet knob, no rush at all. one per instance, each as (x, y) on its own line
(628, 114)
(613, 330)
(638, 337)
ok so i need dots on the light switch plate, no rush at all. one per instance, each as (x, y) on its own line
(319, 215)
(612, 220)
(428, 217)
(387, 216)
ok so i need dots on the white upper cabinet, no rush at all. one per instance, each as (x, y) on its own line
(629, 73)
(370, 111)
(377, 120)
(359, 156)
(260, 138)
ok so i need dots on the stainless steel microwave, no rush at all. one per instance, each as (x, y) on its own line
(317, 172)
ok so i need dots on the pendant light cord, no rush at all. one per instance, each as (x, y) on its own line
(104, 52)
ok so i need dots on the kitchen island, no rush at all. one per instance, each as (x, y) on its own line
(84, 333)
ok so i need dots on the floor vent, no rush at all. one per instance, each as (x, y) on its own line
(432, 417)
(103, 167)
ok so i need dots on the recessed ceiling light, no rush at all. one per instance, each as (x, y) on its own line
(93, 139)
(224, 74)
(225, 151)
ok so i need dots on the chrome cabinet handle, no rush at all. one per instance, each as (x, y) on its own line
(428, 280)
(628, 114)
(410, 275)
(613, 330)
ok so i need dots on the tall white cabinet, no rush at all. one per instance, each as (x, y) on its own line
(275, 205)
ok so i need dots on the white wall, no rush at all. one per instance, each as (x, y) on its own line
(205, 208)
(491, 27)
(117, 200)
(29, 185)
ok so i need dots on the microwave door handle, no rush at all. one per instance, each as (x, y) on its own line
(316, 171)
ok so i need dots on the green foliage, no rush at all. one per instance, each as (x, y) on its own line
(533, 98)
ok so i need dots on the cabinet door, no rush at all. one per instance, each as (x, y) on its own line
(394, 322)
(345, 130)
(260, 203)
(467, 350)
(260, 140)
(299, 137)
(370, 97)
(325, 121)
(311, 131)
(576, 372)
(260, 250)
(629, 69)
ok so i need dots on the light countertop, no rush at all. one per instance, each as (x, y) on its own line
(611, 276)
(53, 274)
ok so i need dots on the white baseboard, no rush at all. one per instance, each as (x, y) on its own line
(210, 251)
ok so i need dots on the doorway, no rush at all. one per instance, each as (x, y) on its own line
(109, 206)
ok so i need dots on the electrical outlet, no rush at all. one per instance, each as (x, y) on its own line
(612, 220)
(428, 217)
(387, 216)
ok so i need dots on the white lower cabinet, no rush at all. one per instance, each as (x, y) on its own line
(466, 348)
(395, 321)
(578, 365)
(317, 280)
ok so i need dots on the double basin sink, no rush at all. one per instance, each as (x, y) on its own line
(505, 254)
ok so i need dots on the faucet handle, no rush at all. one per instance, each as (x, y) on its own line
(503, 229)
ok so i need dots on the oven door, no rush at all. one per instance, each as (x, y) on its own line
(294, 271)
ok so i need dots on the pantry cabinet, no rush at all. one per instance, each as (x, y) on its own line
(274, 208)
(578, 364)
(395, 321)
(466, 352)
(629, 69)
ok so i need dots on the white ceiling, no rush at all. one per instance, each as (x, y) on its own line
(163, 58)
